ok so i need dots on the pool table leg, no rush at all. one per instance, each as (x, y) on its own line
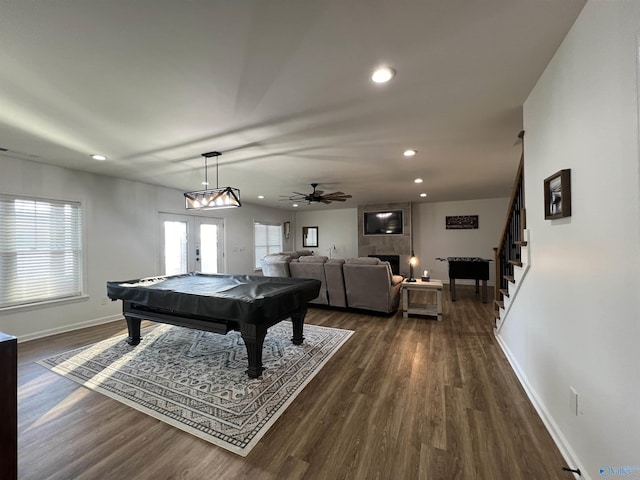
(297, 320)
(133, 325)
(253, 336)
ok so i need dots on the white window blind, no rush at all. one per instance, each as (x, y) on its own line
(40, 250)
(267, 239)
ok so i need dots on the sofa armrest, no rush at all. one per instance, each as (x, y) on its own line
(368, 286)
(276, 265)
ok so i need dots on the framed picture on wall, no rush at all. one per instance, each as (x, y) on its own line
(461, 222)
(309, 236)
(557, 195)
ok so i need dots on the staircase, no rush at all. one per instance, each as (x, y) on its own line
(512, 253)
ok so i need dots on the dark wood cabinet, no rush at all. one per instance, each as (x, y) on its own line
(8, 407)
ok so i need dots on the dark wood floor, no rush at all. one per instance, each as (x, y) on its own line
(402, 399)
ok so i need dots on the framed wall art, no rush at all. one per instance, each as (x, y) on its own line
(309, 236)
(557, 195)
(461, 222)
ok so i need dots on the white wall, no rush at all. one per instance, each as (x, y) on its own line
(121, 238)
(432, 240)
(337, 227)
(576, 319)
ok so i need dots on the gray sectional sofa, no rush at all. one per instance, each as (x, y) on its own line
(364, 283)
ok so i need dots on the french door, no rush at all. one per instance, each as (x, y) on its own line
(191, 244)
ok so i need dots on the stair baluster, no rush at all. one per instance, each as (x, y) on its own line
(508, 250)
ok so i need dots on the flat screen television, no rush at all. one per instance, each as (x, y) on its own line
(387, 222)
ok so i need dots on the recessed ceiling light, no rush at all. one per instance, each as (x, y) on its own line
(418, 180)
(410, 153)
(260, 196)
(98, 157)
(423, 195)
(295, 204)
(383, 74)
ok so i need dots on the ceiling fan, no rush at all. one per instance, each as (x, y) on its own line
(317, 196)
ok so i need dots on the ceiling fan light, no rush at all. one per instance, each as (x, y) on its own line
(409, 153)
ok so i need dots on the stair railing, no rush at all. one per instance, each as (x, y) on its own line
(507, 253)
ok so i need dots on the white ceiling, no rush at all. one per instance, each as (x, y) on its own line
(281, 88)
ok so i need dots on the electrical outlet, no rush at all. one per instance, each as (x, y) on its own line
(573, 401)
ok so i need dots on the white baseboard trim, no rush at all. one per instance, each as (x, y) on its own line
(556, 434)
(69, 328)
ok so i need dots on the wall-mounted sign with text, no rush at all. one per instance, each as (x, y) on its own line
(462, 222)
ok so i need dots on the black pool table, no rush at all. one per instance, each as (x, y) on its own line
(219, 304)
(471, 268)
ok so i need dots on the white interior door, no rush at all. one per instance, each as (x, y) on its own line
(191, 244)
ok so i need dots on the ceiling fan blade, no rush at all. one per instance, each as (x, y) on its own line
(337, 196)
(324, 200)
(337, 199)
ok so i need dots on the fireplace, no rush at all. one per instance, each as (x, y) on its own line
(394, 261)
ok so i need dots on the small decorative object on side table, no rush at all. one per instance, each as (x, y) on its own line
(425, 276)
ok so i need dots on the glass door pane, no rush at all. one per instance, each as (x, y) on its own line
(209, 244)
(209, 248)
(175, 247)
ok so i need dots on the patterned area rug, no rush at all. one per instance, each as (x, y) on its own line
(196, 380)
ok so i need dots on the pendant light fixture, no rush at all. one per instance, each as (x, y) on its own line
(212, 198)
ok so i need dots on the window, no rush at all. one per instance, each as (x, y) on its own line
(40, 250)
(267, 239)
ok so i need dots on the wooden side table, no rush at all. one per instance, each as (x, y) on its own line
(8, 407)
(432, 309)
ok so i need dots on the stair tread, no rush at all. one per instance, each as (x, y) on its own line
(517, 263)
(499, 303)
(504, 292)
(510, 278)
(520, 243)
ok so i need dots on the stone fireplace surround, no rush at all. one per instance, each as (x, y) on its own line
(386, 245)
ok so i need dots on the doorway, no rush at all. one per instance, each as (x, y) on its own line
(191, 244)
